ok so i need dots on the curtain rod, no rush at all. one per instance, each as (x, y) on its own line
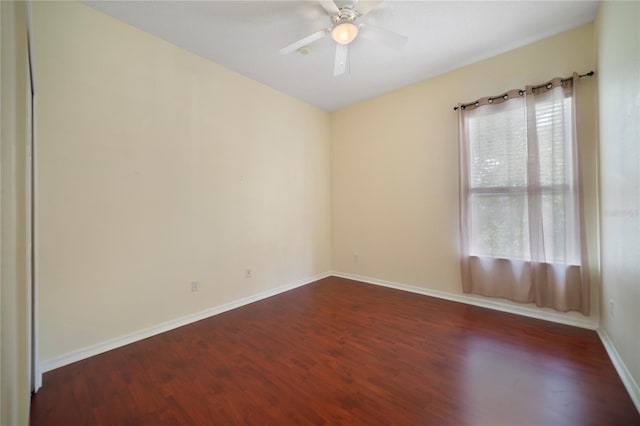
(588, 74)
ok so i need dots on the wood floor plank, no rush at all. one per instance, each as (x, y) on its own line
(343, 352)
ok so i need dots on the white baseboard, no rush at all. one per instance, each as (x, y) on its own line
(108, 345)
(483, 302)
(621, 368)
(37, 379)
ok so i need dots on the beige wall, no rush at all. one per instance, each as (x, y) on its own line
(156, 168)
(618, 42)
(395, 166)
(14, 383)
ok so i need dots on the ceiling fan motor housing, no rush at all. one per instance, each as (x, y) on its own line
(347, 14)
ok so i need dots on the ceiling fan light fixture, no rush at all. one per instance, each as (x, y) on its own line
(344, 33)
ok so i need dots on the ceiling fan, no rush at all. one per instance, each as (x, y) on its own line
(345, 29)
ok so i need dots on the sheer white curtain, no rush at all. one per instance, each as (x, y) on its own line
(521, 220)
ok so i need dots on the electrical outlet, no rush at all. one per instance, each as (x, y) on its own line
(356, 257)
(195, 285)
(247, 273)
(611, 306)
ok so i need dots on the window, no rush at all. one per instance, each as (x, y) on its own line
(498, 180)
(521, 228)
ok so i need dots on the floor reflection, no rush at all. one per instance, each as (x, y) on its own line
(505, 384)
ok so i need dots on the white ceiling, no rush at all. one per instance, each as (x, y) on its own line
(246, 36)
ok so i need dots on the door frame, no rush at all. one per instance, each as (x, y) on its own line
(33, 360)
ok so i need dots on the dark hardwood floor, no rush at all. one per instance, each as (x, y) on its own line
(342, 352)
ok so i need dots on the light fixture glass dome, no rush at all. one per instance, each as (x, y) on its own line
(344, 33)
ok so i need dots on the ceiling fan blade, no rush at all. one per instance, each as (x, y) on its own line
(330, 7)
(342, 57)
(382, 35)
(365, 6)
(303, 42)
